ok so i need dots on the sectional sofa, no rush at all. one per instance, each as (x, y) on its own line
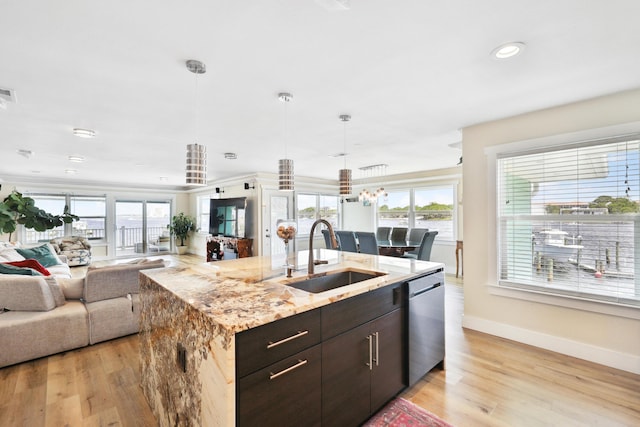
(42, 315)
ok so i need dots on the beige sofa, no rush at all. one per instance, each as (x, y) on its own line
(41, 316)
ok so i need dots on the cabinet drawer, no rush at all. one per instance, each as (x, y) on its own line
(352, 312)
(286, 393)
(264, 345)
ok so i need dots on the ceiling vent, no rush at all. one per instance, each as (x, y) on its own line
(6, 96)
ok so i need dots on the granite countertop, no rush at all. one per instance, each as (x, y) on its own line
(248, 292)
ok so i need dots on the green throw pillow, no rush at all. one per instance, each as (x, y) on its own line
(12, 269)
(41, 253)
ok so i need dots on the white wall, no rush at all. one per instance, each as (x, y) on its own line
(602, 333)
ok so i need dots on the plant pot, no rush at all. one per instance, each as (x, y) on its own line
(182, 249)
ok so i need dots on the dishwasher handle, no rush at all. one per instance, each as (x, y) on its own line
(423, 290)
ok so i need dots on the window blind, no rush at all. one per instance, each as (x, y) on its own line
(568, 220)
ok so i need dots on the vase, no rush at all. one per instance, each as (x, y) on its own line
(286, 230)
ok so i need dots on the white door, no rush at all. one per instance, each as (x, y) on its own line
(279, 206)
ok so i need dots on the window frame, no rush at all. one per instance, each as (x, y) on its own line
(317, 211)
(66, 229)
(411, 212)
(503, 288)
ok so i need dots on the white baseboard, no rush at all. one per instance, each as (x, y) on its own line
(603, 356)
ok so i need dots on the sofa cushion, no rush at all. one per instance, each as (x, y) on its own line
(115, 281)
(72, 287)
(56, 290)
(25, 293)
(10, 254)
(44, 254)
(31, 263)
(26, 336)
(6, 268)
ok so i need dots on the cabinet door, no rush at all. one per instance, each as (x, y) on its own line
(386, 375)
(346, 378)
(286, 393)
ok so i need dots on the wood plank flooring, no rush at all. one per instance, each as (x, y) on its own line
(488, 381)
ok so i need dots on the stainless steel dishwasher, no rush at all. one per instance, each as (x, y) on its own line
(425, 324)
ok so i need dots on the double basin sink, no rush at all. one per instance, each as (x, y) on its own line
(332, 280)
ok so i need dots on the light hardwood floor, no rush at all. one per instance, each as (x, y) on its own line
(488, 381)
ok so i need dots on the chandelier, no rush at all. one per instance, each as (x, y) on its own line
(373, 171)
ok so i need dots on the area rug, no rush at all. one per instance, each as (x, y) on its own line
(400, 413)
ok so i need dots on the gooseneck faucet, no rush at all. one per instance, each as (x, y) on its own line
(334, 244)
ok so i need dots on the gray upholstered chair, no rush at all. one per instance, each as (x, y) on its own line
(415, 237)
(347, 241)
(327, 238)
(399, 234)
(382, 234)
(367, 242)
(424, 251)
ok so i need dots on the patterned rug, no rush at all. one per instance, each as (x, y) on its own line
(400, 413)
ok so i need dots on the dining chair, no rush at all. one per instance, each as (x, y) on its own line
(383, 233)
(415, 237)
(367, 242)
(424, 251)
(327, 238)
(347, 240)
(399, 234)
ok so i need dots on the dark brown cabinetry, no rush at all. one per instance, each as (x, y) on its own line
(278, 367)
(335, 365)
(362, 368)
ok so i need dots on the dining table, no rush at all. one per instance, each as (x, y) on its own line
(395, 248)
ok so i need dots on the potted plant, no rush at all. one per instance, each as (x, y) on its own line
(181, 226)
(18, 209)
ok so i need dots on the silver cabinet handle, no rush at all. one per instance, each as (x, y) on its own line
(370, 364)
(289, 369)
(292, 337)
(377, 359)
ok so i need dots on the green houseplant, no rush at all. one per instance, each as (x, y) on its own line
(181, 226)
(18, 209)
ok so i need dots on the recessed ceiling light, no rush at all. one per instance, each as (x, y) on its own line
(84, 133)
(230, 156)
(70, 171)
(76, 159)
(508, 50)
(164, 178)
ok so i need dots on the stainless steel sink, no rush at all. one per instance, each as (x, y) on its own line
(333, 280)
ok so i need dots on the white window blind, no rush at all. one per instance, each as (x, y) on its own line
(569, 222)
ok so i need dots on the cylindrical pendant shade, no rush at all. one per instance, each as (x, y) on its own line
(345, 182)
(196, 172)
(285, 175)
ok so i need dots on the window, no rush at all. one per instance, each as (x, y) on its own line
(425, 207)
(433, 209)
(90, 209)
(393, 210)
(568, 220)
(204, 205)
(316, 206)
(92, 213)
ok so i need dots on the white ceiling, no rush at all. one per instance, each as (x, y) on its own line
(411, 73)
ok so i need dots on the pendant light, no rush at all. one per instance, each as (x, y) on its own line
(344, 175)
(285, 166)
(196, 170)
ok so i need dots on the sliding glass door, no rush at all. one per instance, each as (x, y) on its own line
(141, 227)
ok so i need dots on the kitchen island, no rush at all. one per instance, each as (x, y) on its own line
(192, 316)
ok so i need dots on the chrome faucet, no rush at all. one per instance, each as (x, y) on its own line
(334, 244)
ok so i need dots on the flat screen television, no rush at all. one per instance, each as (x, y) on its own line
(227, 217)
